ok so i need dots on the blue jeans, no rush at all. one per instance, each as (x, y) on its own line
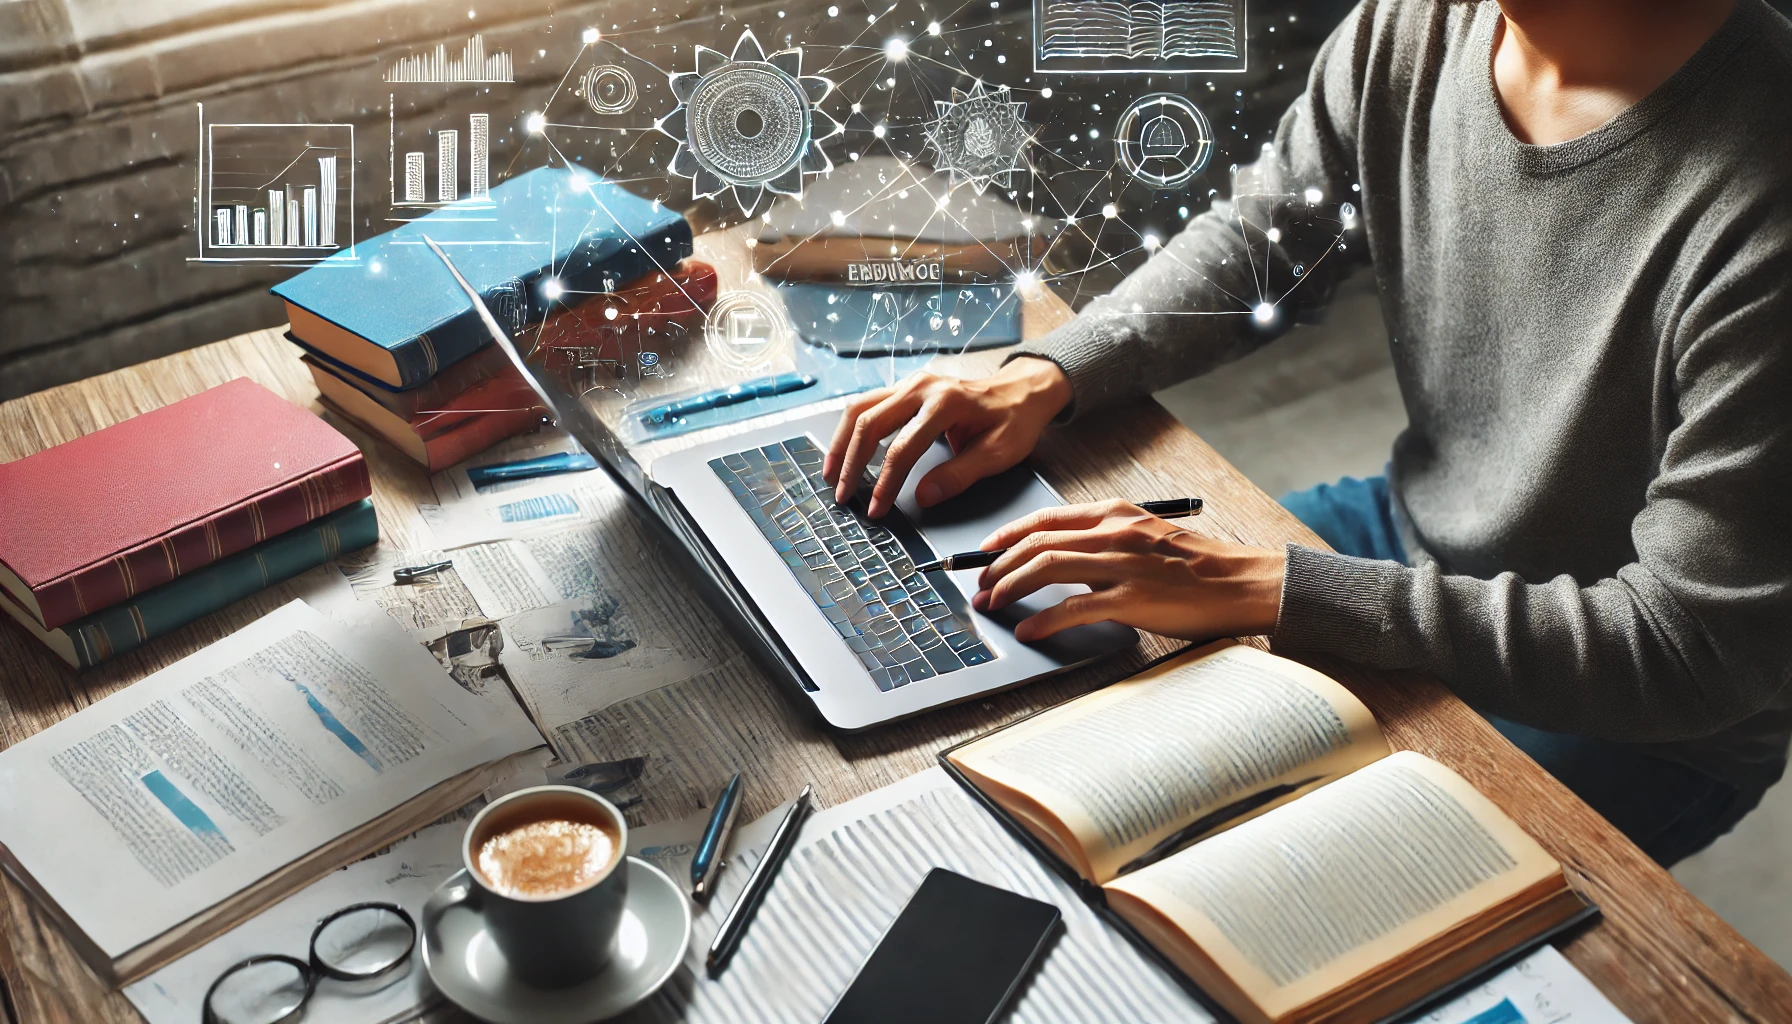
(1668, 809)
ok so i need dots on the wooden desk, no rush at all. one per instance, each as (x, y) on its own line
(1658, 953)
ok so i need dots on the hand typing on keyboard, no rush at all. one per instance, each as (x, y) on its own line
(857, 572)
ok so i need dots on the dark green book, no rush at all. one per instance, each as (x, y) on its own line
(127, 626)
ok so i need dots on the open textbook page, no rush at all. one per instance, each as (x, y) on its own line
(1338, 890)
(1112, 779)
(170, 796)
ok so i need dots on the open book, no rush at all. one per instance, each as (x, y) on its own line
(1244, 815)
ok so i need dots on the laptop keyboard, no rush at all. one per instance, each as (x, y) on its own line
(858, 572)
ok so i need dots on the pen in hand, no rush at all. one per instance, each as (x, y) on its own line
(1167, 508)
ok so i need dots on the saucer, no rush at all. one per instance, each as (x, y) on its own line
(467, 967)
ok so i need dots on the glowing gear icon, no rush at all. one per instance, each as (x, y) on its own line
(979, 136)
(748, 122)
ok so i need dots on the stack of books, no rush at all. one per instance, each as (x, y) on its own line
(569, 264)
(130, 532)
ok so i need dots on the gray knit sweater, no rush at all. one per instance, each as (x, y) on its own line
(1594, 344)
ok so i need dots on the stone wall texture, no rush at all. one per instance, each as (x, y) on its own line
(99, 135)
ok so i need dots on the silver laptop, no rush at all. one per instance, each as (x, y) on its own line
(834, 596)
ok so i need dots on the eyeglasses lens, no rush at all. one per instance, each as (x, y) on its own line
(364, 941)
(258, 993)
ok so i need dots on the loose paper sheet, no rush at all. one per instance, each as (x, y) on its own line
(175, 793)
(852, 871)
(476, 515)
(1543, 988)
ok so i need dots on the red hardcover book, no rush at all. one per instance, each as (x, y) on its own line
(89, 523)
(482, 400)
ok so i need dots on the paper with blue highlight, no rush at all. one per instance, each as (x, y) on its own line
(179, 791)
(1542, 988)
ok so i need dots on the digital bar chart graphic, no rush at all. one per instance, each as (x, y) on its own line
(273, 192)
(473, 65)
(470, 189)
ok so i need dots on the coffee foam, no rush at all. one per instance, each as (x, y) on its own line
(545, 858)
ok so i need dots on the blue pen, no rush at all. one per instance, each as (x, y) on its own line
(561, 462)
(715, 841)
(764, 387)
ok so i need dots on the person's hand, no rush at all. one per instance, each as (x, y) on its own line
(991, 424)
(1143, 572)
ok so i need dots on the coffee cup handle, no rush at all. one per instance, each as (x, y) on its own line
(458, 891)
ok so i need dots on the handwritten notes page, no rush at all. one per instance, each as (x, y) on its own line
(163, 799)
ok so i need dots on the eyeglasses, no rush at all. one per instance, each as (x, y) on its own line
(364, 948)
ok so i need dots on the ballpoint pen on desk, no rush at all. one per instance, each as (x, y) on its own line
(559, 462)
(735, 924)
(1167, 508)
(703, 401)
(708, 861)
(414, 573)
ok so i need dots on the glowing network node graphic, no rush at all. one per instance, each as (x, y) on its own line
(609, 89)
(749, 123)
(979, 136)
(744, 330)
(1163, 140)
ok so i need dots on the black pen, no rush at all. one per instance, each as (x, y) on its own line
(735, 924)
(1167, 508)
(714, 843)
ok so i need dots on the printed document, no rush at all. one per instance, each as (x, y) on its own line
(166, 798)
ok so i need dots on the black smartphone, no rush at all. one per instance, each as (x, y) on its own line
(955, 955)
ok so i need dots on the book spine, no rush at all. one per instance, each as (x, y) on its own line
(421, 357)
(127, 626)
(204, 541)
(425, 355)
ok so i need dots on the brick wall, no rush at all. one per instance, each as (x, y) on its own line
(99, 135)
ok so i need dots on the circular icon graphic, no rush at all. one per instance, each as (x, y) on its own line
(748, 123)
(1163, 140)
(609, 89)
(745, 330)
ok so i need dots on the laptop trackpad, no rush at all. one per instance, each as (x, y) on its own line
(961, 524)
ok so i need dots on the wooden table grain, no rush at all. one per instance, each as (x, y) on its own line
(1657, 952)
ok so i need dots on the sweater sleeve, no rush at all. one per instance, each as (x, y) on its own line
(1239, 274)
(1693, 636)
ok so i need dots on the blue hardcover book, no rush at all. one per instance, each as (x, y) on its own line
(127, 626)
(394, 312)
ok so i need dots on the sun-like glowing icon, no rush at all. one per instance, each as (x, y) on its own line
(979, 136)
(748, 122)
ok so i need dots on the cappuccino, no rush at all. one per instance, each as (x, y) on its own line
(548, 856)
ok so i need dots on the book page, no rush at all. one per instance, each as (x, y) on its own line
(1127, 768)
(165, 798)
(1314, 894)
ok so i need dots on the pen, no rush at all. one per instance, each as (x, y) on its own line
(764, 387)
(708, 861)
(735, 924)
(413, 573)
(1167, 508)
(560, 462)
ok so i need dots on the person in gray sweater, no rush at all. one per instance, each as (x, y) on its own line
(1579, 216)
